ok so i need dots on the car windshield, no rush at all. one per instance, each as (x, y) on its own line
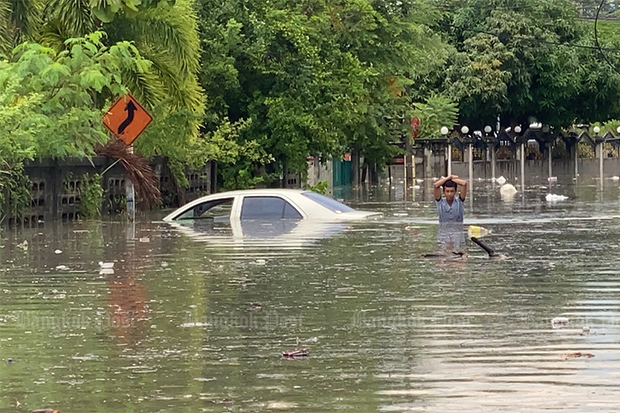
(328, 203)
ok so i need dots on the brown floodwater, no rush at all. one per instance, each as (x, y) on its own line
(102, 316)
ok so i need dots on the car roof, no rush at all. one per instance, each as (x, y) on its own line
(261, 191)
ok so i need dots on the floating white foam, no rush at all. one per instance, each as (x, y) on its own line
(555, 198)
(507, 192)
(501, 180)
(189, 325)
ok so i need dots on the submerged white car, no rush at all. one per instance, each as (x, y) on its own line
(268, 204)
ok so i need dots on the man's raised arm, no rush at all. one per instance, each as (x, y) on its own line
(463, 184)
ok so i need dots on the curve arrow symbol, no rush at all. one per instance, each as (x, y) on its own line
(130, 108)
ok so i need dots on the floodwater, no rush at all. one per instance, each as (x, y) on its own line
(187, 321)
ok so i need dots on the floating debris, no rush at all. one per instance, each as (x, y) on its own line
(577, 355)
(57, 252)
(62, 267)
(476, 231)
(191, 325)
(558, 322)
(261, 262)
(501, 180)
(106, 264)
(507, 192)
(555, 198)
(23, 245)
(304, 352)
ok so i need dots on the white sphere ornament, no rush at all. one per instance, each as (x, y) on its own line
(488, 129)
(597, 130)
(517, 129)
(465, 130)
(444, 130)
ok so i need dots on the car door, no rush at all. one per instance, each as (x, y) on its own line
(268, 207)
(267, 216)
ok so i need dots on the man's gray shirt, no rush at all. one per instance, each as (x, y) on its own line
(450, 213)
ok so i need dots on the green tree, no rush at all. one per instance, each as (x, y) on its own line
(165, 33)
(436, 112)
(315, 77)
(526, 61)
(47, 106)
(19, 20)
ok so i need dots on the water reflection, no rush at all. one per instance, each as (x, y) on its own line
(451, 238)
(187, 325)
(279, 234)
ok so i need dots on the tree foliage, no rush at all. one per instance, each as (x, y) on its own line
(315, 77)
(526, 61)
(260, 85)
(436, 112)
(47, 100)
(165, 33)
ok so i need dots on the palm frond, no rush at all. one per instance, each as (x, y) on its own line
(138, 170)
(146, 87)
(25, 16)
(183, 92)
(171, 29)
(53, 35)
(6, 33)
(19, 21)
(73, 16)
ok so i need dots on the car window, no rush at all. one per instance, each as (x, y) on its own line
(328, 203)
(217, 210)
(267, 207)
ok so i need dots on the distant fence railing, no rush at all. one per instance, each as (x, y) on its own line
(534, 152)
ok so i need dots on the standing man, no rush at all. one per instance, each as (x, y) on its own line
(450, 207)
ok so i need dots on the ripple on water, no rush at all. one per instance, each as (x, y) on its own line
(206, 322)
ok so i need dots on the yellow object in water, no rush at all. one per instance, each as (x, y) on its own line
(476, 231)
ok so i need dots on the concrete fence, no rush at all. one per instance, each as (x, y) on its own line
(56, 189)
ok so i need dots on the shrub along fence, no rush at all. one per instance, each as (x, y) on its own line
(64, 190)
